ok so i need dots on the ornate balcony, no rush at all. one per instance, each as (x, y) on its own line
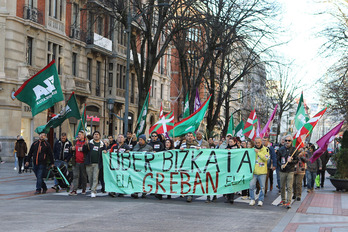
(32, 14)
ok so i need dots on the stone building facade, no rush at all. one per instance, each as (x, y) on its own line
(89, 48)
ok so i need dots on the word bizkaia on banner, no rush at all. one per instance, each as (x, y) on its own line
(179, 172)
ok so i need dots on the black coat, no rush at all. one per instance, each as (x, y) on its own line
(157, 145)
(41, 153)
(283, 154)
(87, 151)
(57, 150)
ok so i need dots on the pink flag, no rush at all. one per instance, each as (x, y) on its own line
(324, 142)
(197, 101)
(267, 129)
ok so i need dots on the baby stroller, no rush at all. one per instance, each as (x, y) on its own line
(61, 174)
(28, 168)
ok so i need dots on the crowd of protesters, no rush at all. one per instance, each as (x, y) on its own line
(292, 166)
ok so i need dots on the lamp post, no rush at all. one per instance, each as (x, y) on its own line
(129, 28)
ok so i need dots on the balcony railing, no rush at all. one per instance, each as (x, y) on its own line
(74, 32)
(32, 14)
(56, 25)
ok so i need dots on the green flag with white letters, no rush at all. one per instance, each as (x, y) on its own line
(42, 90)
(70, 110)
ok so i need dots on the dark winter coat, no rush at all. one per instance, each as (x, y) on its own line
(156, 145)
(87, 151)
(62, 151)
(21, 148)
(145, 147)
(41, 153)
(282, 158)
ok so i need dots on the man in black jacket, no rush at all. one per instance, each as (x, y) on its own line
(62, 154)
(287, 159)
(155, 142)
(41, 152)
(93, 160)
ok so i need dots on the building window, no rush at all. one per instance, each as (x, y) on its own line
(121, 35)
(75, 16)
(162, 91)
(162, 65)
(74, 64)
(55, 52)
(153, 89)
(100, 26)
(111, 67)
(89, 72)
(240, 96)
(121, 77)
(97, 90)
(29, 50)
(111, 28)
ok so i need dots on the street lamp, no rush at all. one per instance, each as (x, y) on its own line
(129, 26)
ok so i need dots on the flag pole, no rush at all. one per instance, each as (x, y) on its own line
(301, 143)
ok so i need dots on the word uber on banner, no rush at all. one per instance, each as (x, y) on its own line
(176, 172)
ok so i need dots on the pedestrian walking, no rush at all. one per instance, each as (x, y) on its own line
(41, 153)
(21, 150)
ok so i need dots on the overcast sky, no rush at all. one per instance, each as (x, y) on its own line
(302, 23)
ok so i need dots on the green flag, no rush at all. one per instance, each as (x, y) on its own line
(190, 123)
(301, 116)
(83, 122)
(141, 124)
(70, 110)
(42, 90)
(230, 126)
(186, 107)
(238, 132)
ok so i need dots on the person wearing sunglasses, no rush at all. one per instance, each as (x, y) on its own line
(155, 142)
(287, 159)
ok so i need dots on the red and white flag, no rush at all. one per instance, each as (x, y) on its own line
(250, 125)
(306, 129)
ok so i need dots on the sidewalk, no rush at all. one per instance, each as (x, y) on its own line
(323, 210)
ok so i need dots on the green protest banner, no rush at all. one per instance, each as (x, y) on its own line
(176, 172)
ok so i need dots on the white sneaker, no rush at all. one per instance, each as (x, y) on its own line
(260, 203)
(252, 202)
(14, 168)
(93, 194)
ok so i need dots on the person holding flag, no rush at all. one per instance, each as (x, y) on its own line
(287, 155)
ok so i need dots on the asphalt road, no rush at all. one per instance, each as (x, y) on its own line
(21, 210)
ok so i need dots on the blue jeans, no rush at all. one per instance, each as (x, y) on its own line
(262, 180)
(310, 179)
(40, 171)
(58, 163)
(278, 176)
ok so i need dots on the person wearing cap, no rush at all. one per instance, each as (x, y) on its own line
(21, 148)
(41, 153)
(142, 145)
(225, 143)
(94, 161)
(201, 141)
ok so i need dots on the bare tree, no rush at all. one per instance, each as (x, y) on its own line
(335, 87)
(154, 24)
(231, 30)
(282, 91)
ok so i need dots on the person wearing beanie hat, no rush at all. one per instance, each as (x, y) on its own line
(142, 136)
(142, 145)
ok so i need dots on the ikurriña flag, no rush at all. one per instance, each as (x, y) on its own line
(42, 90)
(164, 125)
(70, 110)
(306, 129)
(249, 128)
